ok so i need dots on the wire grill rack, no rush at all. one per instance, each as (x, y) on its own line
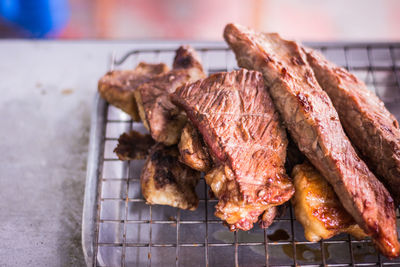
(119, 229)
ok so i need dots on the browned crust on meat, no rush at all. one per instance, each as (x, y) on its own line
(166, 181)
(370, 126)
(314, 125)
(117, 87)
(163, 119)
(318, 208)
(237, 120)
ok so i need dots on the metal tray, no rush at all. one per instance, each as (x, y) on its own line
(119, 229)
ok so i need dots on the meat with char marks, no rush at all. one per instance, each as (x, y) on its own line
(241, 130)
(314, 125)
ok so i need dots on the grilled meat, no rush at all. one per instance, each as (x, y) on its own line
(267, 218)
(293, 156)
(162, 118)
(117, 86)
(314, 125)
(166, 181)
(317, 207)
(186, 58)
(370, 126)
(133, 145)
(192, 151)
(239, 125)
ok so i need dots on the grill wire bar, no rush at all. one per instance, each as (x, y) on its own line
(128, 232)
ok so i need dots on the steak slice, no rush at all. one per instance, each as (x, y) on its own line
(117, 87)
(314, 125)
(162, 118)
(370, 126)
(240, 127)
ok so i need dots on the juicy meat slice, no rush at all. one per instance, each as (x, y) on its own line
(133, 145)
(162, 118)
(314, 125)
(370, 126)
(318, 208)
(117, 86)
(166, 181)
(240, 127)
(192, 151)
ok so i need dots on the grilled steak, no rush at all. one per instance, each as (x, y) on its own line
(162, 118)
(370, 126)
(314, 125)
(117, 87)
(239, 125)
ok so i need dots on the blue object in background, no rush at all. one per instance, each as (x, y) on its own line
(40, 18)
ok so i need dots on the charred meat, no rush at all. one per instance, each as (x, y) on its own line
(133, 145)
(167, 181)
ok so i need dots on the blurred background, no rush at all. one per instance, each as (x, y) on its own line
(199, 19)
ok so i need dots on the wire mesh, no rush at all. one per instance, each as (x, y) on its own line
(131, 233)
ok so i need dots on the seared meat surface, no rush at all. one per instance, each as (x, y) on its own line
(318, 208)
(166, 181)
(162, 118)
(239, 125)
(133, 145)
(192, 151)
(117, 87)
(370, 126)
(313, 123)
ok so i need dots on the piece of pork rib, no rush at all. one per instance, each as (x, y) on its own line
(240, 127)
(166, 181)
(370, 126)
(162, 118)
(313, 123)
(133, 146)
(317, 207)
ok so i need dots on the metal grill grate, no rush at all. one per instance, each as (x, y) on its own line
(119, 229)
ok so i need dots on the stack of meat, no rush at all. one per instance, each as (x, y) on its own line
(232, 126)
